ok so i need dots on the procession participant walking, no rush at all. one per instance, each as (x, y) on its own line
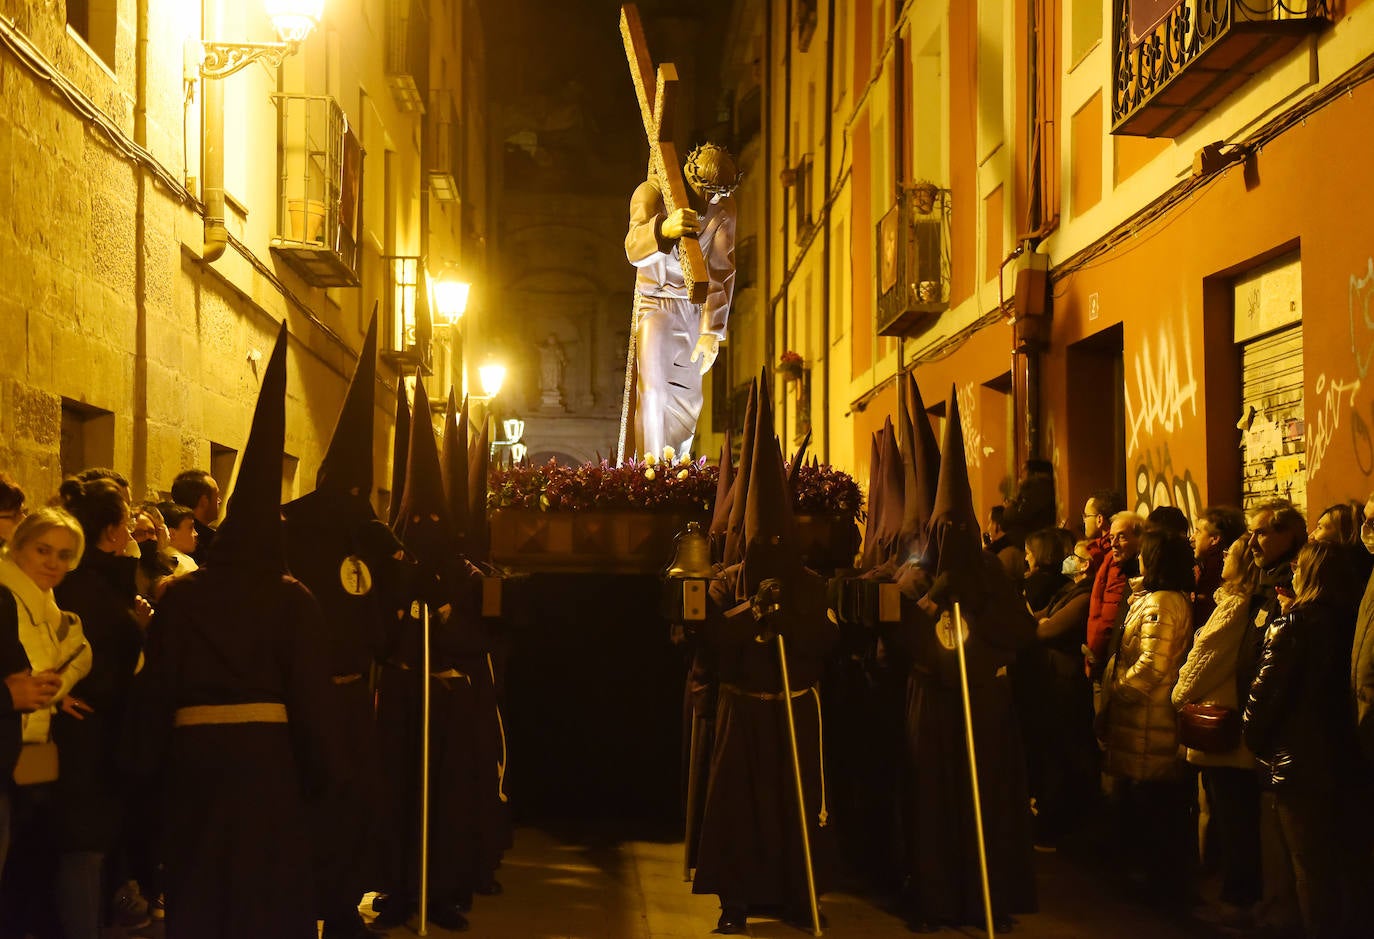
(943, 866)
(232, 709)
(751, 852)
(329, 548)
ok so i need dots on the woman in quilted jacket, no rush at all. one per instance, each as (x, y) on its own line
(1154, 786)
(1301, 728)
(1208, 676)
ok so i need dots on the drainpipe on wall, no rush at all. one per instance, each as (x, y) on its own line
(770, 347)
(212, 180)
(828, 107)
(138, 462)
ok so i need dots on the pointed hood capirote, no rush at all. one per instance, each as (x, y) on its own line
(347, 464)
(479, 468)
(955, 541)
(400, 447)
(925, 459)
(798, 461)
(251, 534)
(454, 459)
(870, 557)
(894, 495)
(720, 511)
(771, 547)
(739, 492)
(423, 523)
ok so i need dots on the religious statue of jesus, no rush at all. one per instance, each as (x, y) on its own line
(677, 341)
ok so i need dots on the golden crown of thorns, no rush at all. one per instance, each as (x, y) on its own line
(710, 169)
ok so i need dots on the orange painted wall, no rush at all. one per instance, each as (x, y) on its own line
(1154, 286)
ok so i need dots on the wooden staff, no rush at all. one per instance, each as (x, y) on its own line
(801, 794)
(972, 764)
(424, 772)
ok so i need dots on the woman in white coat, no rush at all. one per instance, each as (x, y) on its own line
(45, 547)
(1208, 676)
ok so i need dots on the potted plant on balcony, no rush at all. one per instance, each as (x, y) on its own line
(790, 365)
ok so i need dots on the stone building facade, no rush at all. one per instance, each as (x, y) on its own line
(127, 338)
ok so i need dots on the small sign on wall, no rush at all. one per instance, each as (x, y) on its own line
(1268, 297)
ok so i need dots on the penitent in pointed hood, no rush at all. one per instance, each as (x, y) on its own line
(924, 454)
(870, 558)
(955, 542)
(454, 459)
(400, 447)
(798, 461)
(894, 496)
(423, 523)
(771, 546)
(347, 464)
(251, 533)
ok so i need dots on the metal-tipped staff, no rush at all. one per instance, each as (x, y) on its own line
(689, 834)
(423, 929)
(972, 764)
(801, 795)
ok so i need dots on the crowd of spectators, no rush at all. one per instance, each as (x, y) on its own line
(1197, 707)
(79, 580)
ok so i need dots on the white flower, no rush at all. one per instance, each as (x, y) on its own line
(682, 475)
(669, 454)
(649, 473)
(650, 459)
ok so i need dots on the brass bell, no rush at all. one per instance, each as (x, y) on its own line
(692, 558)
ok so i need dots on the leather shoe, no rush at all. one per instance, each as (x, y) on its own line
(733, 921)
(391, 911)
(448, 917)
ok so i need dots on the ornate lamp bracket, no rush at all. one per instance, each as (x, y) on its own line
(222, 59)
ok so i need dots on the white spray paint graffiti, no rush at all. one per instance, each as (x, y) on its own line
(1164, 384)
(1330, 394)
(968, 416)
(1362, 308)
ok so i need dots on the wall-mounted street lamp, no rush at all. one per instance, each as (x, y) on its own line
(293, 20)
(451, 299)
(492, 374)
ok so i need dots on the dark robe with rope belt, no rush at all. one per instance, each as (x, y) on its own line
(233, 717)
(469, 817)
(750, 851)
(944, 880)
(332, 548)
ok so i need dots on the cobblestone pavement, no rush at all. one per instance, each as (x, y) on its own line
(572, 886)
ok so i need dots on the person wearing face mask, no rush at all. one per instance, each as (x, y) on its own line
(90, 790)
(1070, 755)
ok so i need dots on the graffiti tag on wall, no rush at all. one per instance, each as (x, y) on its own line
(1332, 397)
(1164, 384)
(1158, 483)
(968, 416)
(1362, 318)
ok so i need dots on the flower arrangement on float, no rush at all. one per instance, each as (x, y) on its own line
(654, 483)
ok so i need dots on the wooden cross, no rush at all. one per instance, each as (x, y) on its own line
(664, 164)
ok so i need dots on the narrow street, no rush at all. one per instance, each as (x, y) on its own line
(571, 885)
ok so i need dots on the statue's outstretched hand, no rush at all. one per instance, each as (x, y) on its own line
(680, 222)
(708, 347)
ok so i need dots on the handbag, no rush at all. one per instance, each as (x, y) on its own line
(37, 764)
(1209, 728)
